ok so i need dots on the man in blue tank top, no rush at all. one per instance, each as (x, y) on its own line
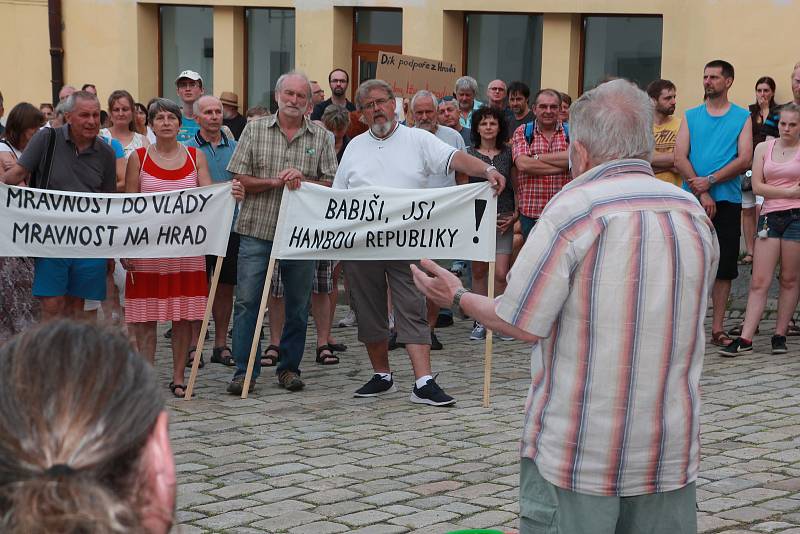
(715, 146)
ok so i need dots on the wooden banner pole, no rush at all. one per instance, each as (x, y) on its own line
(487, 357)
(203, 329)
(259, 323)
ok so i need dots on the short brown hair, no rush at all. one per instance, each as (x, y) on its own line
(21, 118)
(655, 88)
(119, 94)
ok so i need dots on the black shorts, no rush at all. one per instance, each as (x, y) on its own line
(228, 273)
(728, 225)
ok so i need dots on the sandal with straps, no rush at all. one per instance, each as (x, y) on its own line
(720, 339)
(173, 386)
(270, 360)
(218, 356)
(190, 359)
(325, 356)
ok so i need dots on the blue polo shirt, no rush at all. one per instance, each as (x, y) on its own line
(713, 143)
(218, 158)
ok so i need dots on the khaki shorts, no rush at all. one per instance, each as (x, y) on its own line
(369, 281)
(545, 508)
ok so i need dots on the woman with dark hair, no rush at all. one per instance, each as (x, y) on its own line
(19, 308)
(121, 108)
(489, 143)
(167, 289)
(84, 443)
(142, 125)
(763, 119)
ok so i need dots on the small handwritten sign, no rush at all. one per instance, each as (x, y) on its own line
(409, 74)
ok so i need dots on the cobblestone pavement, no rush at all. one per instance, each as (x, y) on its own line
(321, 461)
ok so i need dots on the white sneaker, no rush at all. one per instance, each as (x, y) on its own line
(478, 331)
(348, 320)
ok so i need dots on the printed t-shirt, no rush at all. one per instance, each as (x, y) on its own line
(665, 135)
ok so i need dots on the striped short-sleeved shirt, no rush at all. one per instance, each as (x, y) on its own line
(615, 279)
(263, 151)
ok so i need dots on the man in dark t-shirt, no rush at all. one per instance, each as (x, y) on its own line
(338, 79)
(81, 162)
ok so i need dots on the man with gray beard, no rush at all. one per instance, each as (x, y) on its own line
(413, 156)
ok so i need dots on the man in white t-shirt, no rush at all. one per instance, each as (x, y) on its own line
(392, 155)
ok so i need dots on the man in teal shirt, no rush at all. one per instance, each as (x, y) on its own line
(218, 149)
(714, 147)
(189, 86)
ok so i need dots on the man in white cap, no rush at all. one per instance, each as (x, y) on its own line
(230, 113)
(189, 87)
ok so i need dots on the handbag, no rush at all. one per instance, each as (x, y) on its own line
(40, 177)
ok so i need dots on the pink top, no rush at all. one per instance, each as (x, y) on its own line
(786, 174)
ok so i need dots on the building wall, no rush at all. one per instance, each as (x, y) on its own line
(115, 43)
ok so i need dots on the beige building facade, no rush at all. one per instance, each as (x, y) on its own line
(140, 45)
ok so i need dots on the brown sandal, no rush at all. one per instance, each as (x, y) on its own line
(720, 339)
(271, 360)
(325, 356)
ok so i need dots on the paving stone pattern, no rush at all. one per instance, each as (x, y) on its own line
(320, 461)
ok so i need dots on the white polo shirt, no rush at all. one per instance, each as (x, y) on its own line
(454, 139)
(406, 159)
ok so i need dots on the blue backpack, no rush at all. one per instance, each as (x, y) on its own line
(529, 131)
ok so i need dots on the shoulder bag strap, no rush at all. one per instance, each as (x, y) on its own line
(48, 159)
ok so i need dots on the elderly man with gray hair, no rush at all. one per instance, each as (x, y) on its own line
(611, 290)
(285, 149)
(390, 154)
(465, 90)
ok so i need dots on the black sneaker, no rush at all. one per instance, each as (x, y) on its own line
(393, 344)
(435, 343)
(431, 394)
(237, 385)
(376, 386)
(779, 345)
(736, 347)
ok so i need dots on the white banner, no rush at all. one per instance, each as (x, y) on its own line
(65, 224)
(318, 222)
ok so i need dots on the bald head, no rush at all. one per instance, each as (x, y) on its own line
(65, 92)
(496, 94)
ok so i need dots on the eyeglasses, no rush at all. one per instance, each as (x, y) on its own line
(375, 103)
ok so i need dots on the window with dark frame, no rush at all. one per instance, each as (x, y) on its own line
(618, 46)
(186, 43)
(270, 52)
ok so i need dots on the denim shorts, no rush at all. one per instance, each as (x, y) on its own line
(791, 233)
(82, 278)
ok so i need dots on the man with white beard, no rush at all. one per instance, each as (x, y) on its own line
(413, 156)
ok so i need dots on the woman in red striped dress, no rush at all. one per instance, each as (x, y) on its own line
(166, 289)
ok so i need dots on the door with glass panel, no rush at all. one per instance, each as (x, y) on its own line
(374, 30)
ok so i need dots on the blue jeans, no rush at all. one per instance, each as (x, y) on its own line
(297, 277)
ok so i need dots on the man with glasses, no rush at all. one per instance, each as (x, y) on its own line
(317, 93)
(338, 79)
(189, 86)
(412, 156)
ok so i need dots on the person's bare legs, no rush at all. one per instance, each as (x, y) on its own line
(764, 261)
(378, 352)
(480, 278)
(321, 312)
(749, 229)
(277, 316)
(420, 359)
(221, 311)
(181, 339)
(62, 307)
(789, 287)
(145, 334)
(719, 300)
(502, 264)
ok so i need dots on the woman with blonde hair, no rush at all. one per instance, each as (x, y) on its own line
(84, 446)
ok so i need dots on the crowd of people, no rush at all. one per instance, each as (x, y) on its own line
(615, 223)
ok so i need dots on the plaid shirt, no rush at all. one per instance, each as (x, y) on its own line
(263, 151)
(535, 191)
(615, 279)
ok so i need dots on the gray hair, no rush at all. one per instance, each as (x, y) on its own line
(335, 117)
(157, 105)
(466, 83)
(613, 121)
(72, 100)
(367, 86)
(422, 93)
(59, 109)
(196, 106)
(282, 78)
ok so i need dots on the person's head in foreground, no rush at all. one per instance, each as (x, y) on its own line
(612, 121)
(84, 446)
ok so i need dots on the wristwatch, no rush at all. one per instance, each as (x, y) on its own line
(457, 297)
(711, 179)
(490, 168)
(536, 156)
